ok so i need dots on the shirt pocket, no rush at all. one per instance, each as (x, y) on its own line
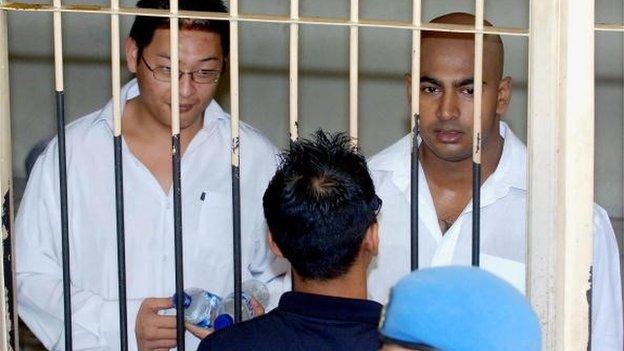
(210, 251)
(511, 271)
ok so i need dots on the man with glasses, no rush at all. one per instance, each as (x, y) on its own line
(148, 206)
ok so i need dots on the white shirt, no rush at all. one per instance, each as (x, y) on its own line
(503, 233)
(150, 267)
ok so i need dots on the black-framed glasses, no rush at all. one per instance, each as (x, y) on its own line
(201, 76)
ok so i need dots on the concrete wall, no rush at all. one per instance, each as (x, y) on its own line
(384, 58)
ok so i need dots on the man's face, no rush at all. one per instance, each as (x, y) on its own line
(197, 50)
(446, 96)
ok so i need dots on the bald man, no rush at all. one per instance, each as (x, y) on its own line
(445, 183)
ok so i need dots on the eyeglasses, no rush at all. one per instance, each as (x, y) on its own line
(201, 76)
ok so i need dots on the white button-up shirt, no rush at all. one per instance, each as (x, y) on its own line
(150, 268)
(503, 234)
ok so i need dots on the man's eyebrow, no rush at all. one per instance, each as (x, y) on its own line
(427, 79)
(468, 81)
(206, 59)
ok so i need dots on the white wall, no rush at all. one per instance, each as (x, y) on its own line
(384, 58)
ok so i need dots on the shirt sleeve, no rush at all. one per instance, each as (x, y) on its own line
(606, 316)
(95, 321)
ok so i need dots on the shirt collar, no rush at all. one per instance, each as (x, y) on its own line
(330, 307)
(131, 90)
(511, 170)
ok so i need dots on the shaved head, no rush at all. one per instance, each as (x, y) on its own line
(493, 50)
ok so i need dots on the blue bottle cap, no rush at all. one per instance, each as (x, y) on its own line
(187, 300)
(223, 321)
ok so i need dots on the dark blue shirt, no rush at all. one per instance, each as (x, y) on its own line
(304, 322)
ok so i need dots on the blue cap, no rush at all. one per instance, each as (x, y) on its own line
(223, 321)
(187, 300)
(460, 309)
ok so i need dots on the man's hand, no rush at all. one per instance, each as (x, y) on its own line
(199, 332)
(153, 331)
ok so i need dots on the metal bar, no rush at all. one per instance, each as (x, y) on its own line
(476, 134)
(353, 73)
(60, 125)
(119, 197)
(176, 174)
(264, 18)
(9, 338)
(414, 120)
(608, 27)
(294, 71)
(234, 131)
(561, 164)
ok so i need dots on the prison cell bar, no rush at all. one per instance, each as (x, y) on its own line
(234, 131)
(60, 125)
(119, 198)
(265, 18)
(176, 156)
(353, 73)
(476, 133)
(9, 336)
(414, 122)
(294, 71)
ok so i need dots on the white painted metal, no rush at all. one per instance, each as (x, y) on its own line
(478, 83)
(58, 47)
(353, 72)
(175, 67)
(294, 71)
(561, 163)
(116, 69)
(415, 98)
(8, 305)
(234, 83)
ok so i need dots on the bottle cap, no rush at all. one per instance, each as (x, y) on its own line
(187, 300)
(223, 321)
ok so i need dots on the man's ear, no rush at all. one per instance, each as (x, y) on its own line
(371, 239)
(132, 55)
(504, 96)
(273, 246)
(408, 88)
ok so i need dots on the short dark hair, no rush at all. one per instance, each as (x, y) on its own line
(319, 205)
(143, 28)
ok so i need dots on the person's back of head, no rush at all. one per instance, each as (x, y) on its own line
(320, 205)
(143, 28)
(458, 309)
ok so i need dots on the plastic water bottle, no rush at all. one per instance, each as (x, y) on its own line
(200, 307)
(252, 289)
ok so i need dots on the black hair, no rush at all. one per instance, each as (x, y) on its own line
(319, 205)
(143, 28)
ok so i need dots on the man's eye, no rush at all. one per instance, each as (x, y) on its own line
(206, 73)
(166, 69)
(429, 90)
(468, 91)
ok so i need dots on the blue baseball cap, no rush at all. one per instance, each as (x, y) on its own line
(459, 309)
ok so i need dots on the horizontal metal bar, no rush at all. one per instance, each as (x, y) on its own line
(264, 18)
(609, 27)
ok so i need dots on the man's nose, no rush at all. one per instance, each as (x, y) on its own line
(187, 86)
(448, 108)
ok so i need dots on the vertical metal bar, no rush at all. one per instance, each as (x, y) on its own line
(176, 159)
(8, 316)
(119, 197)
(353, 72)
(236, 207)
(294, 70)
(60, 125)
(476, 134)
(414, 121)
